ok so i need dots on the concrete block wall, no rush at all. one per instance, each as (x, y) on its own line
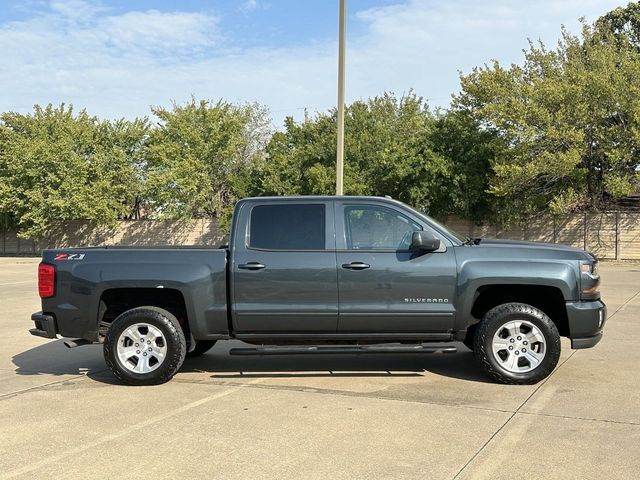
(197, 232)
(609, 235)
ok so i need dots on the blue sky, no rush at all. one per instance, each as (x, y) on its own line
(116, 58)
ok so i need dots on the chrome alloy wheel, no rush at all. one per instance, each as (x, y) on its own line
(142, 348)
(519, 346)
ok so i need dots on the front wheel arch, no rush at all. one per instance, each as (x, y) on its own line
(546, 298)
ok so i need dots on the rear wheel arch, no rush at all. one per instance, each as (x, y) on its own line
(116, 301)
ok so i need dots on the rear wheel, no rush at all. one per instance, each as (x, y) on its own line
(516, 343)
(145, 346)
(201, 347)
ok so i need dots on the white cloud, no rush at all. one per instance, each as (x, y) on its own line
(118, 65)
(75, 10)
(250, 5)
(153, 30)
(423, 44)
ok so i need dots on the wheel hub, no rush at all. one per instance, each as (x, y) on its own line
(142, 348)
(519, 346)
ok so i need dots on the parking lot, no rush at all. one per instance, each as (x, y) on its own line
(62, 414)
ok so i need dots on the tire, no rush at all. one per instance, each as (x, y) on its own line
(517, 344)
(164, 348)
(202, 347)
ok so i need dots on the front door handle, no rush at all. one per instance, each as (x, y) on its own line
(252, 266)
(355, 265)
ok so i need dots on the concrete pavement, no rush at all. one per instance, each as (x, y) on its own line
(62, 414)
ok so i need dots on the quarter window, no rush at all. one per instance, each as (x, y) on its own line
(288, 227)
(378, 228)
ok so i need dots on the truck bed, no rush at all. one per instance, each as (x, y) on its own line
(194, 276)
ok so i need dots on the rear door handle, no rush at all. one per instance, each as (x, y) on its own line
(252, 266)
(355, 265)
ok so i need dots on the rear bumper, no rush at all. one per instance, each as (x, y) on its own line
(45, 325)
(586, 321)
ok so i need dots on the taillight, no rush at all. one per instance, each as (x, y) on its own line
(46, 280)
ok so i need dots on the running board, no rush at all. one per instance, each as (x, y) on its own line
(316, 350)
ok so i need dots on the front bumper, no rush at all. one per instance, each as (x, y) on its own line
(45, 325)
(586, 321)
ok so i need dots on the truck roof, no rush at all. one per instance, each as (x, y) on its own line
(322, 197)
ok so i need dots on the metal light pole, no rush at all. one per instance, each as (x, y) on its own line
(340, 143)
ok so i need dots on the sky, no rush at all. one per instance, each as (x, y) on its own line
(116, 58)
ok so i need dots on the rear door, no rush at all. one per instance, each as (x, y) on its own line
(383, 286)
(284, 268)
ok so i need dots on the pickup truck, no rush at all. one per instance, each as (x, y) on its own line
(323, 275)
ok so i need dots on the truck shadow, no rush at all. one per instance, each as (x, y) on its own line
(53, 358)
(219, 364)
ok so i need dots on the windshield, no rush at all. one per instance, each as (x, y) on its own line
(450, 231)
(439, 226)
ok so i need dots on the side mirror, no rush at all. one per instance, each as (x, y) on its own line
(424, 242)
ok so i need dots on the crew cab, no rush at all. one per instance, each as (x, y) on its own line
(315, 273)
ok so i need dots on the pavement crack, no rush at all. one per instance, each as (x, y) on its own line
(540, 385)
(622, 307)
(6, 396)
(342, 393)
(56, 458)
(569, 417)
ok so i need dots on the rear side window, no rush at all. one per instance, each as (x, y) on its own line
(288, 227)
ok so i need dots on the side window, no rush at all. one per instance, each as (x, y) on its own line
(378, 228)
(288, 227)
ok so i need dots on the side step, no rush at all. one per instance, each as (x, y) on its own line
(359, 349)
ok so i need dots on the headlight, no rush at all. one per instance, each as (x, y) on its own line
(590, 268)
(590, 279)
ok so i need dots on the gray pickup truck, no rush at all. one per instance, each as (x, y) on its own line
(325, 275)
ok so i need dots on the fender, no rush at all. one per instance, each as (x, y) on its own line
(473, 274)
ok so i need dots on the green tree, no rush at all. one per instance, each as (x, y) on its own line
(56, 165)
(458, 136)
(623, 25)
(393, 146)
(199, 154)
(570, 118)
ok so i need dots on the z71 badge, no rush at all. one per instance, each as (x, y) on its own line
(69, 256)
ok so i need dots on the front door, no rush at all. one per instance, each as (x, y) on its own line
(383, 286)
(284, 268)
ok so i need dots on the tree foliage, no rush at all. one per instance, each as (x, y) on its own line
(570, 118)
(56, 165)
(559, 132)
(622, 25)
(393, 146)
(197, 153)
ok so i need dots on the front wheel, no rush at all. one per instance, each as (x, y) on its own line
(516, 343)
(145, 346)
